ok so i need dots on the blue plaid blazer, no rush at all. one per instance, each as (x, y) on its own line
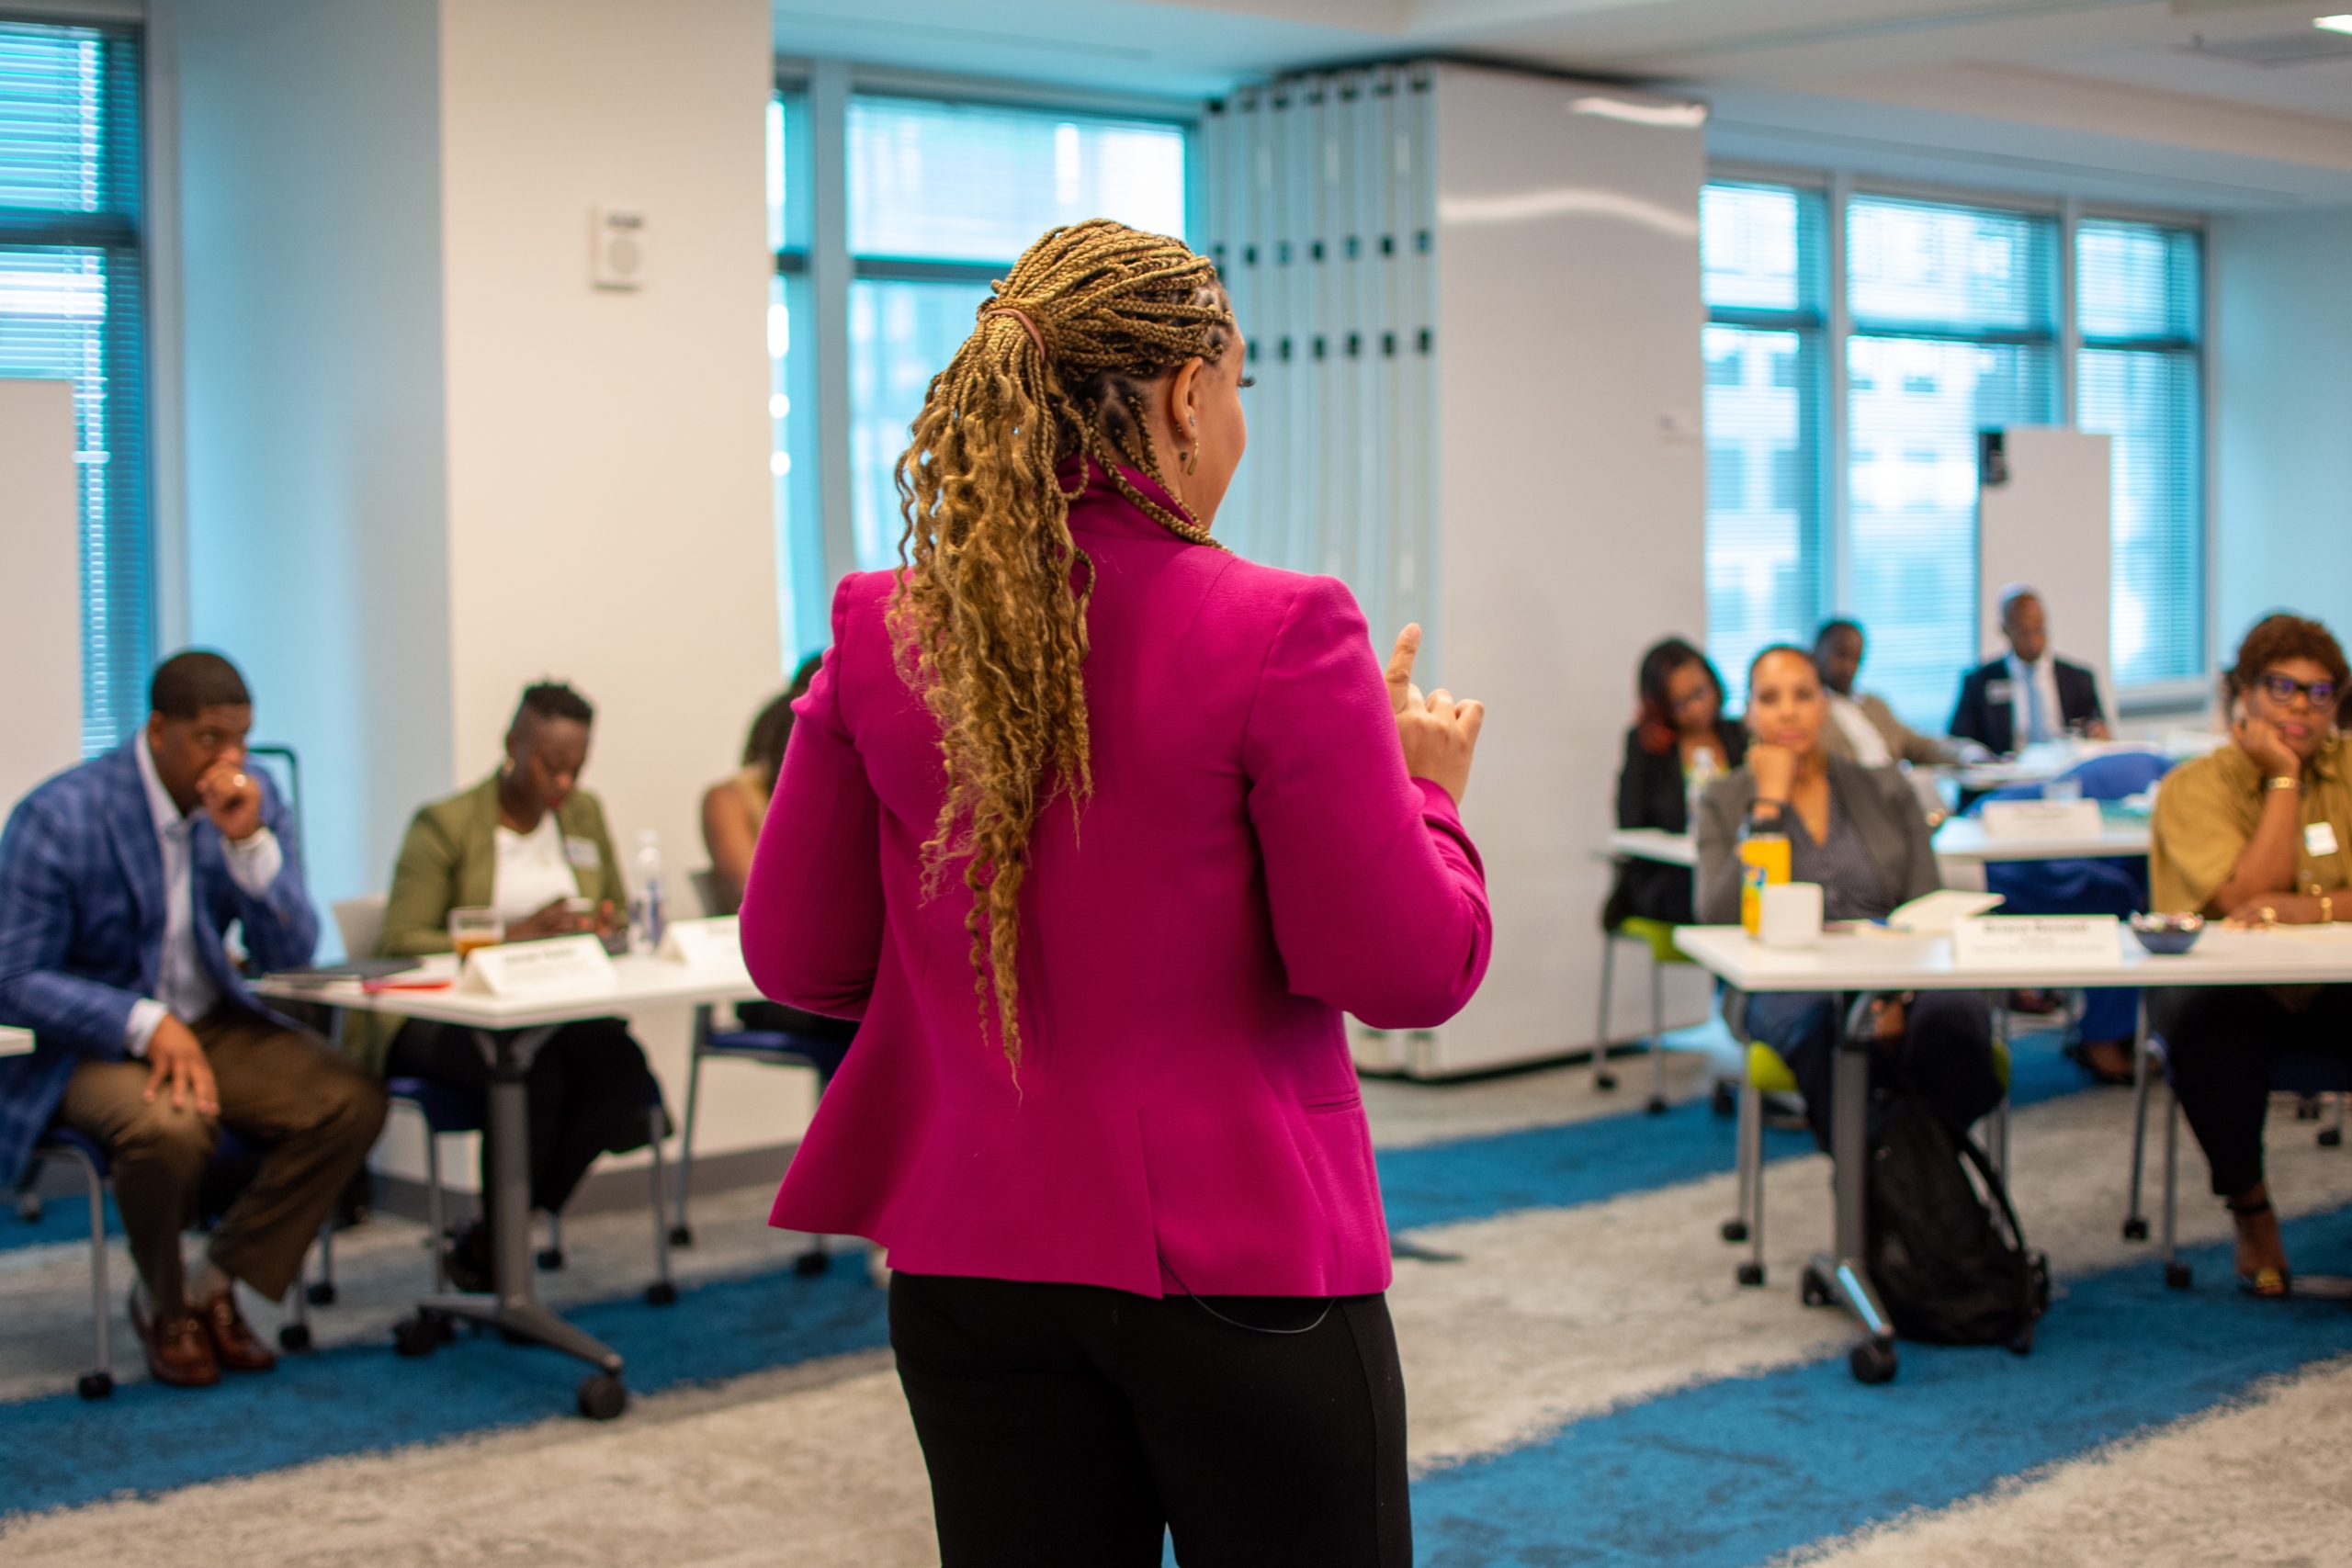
(82, 926)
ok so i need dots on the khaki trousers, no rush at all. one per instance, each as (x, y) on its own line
(314, 1113)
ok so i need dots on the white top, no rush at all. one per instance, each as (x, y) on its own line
(532, 871)
(182, 988)
(1870, 746)
(1879, 960)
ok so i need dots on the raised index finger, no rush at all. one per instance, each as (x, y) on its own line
(1400, 666)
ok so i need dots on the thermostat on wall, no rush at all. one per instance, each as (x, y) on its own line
(617, 260)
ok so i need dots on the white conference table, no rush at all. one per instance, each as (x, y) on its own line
(510, 1030)
(1960, 838)
(1878, 961)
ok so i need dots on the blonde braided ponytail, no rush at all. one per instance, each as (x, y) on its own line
(986, 622)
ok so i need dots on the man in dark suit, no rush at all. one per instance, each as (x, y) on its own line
(117, 880)
(2028, 693)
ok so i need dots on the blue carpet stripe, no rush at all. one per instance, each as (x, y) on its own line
(360, 1398)
(1591, 1162)
(1732, 1474)
(62, 1220)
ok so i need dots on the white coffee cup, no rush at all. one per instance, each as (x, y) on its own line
(1792, 915)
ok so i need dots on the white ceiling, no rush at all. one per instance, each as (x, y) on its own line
(2120, 100)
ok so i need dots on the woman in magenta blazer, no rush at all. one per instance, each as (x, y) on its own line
(1099, 830)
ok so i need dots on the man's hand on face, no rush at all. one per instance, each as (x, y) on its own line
(231, 798)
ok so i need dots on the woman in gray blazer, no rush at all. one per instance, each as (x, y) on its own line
(1859, 833)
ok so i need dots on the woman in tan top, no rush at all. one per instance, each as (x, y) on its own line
(2257, 832)
(734, 808)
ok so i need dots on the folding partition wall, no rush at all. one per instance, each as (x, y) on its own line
(1320, 211)
(1473, 304)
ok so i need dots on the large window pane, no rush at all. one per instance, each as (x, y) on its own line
(72, 306)
(1914, 262)
(961, 182)
(900, 336)
(1914, 406)
(1749, 248)
(2139, 380)
(1763, 493)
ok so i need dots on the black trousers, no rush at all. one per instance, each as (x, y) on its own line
(1068, 1426)
(2223, 1041)
(588, 1091)
(1945, 1054)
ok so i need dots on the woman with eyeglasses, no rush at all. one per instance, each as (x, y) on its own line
(2258, 832)
(1679, 743)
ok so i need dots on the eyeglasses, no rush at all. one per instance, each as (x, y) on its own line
(2281, 689)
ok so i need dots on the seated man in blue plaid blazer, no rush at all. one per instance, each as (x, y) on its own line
(117, 880)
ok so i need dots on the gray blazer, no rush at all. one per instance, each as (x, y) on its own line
(1883, 810)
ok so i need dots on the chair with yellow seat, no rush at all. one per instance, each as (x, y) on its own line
(1768, 1073)
(1657, 938)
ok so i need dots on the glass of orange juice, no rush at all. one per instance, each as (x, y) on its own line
(475, 926)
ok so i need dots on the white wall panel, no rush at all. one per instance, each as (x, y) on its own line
(41, 634)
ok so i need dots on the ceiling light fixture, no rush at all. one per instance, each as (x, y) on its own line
(2342, 24)
(1641, 114)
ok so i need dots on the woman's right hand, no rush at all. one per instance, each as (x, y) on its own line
(2259, 739)
(1774, 768)
(1437, 733)
(556, 919)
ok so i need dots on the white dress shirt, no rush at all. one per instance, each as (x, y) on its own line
(1870, 746)
(182, 988)
(2030, 683)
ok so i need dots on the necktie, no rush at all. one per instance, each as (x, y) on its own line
(2036, 723)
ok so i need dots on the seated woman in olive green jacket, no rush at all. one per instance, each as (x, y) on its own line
(532, 845)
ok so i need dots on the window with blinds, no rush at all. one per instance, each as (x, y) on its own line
(1955, 330)
(72, 306)
(802, 615)
(1763, 264)
(1953, 316)
(2139, 303)
(941, 198)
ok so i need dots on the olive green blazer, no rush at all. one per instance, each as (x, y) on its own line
(449, 861)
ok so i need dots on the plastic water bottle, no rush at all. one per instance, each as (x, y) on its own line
(646, 913)
(1703, 771)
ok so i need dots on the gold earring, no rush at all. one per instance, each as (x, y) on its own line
(1193, 458)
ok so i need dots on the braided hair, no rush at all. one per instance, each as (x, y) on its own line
(987, 621)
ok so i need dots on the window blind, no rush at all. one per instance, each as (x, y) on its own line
(1761, 253)
(2138, 378)
(72, 306)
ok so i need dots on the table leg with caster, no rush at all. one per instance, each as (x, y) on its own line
(516, 1310)
(1842, 1275)
(2136, 1223)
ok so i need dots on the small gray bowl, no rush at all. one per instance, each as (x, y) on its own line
(2167, 933)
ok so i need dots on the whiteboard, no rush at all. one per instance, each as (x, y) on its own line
(41, 635)
(2048, 525)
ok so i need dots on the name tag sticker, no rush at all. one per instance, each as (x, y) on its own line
(2319, 838)
(2000, 692)
(583, 854)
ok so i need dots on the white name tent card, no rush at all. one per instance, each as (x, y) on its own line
(2041, 819)
(1935, 913)
(714, 943)
(2059, 942)
(559, 965)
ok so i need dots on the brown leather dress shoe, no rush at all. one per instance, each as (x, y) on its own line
(179, 1352)
(233, 1344)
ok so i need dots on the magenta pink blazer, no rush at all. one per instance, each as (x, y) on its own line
(1254, 862)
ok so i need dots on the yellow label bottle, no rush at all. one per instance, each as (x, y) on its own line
(1763, 860)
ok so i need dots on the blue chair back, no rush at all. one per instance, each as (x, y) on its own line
(2111, 777)
(446, 1109)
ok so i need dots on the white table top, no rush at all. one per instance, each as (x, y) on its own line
(16, 1042)
(1964, 837)
(637, 979)
(1655, 843)
(1881, 960)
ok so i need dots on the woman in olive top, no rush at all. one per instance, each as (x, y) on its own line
(2258, 832)
(1859, 833)
(531, 844)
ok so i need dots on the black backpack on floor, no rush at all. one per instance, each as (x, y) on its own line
(1944, 1269)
